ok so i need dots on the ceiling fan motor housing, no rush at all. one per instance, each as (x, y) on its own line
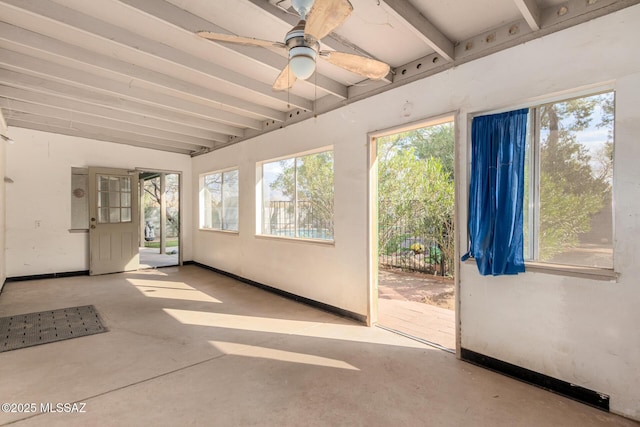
(302, 51)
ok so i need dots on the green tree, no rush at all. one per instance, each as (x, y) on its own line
(437, 142)
(309, 181)
(432, 141)
(416, 192)
(152, 195)
(575, 182)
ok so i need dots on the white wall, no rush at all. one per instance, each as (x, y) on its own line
(578, 330)
(3, 163)
(40, 165)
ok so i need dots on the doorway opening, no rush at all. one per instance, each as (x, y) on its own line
(413, 239)
(160, 219)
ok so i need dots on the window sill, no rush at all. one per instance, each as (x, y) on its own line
(214, 230)
(592, 273)
(296, 239)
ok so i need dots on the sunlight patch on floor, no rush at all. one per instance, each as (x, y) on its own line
(236, 349)
(331, 331)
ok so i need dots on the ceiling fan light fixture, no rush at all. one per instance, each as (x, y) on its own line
(302, 61)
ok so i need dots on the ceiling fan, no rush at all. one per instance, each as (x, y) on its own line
(317, 19)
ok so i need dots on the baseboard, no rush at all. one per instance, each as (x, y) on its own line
(317, 304)
(575, 392)
(48, 276)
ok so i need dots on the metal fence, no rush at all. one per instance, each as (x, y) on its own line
(404, 242)
(313, 221)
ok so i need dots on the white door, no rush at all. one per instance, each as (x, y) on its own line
(113, 221)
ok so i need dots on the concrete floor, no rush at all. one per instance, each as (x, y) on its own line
(189, 347)
(152, 258)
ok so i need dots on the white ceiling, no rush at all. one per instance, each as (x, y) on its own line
(134, 72)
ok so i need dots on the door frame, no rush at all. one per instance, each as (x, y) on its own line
(142, 170)
(372, 213)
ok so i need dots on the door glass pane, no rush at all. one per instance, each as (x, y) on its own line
(114, 184)
(114, 215)
(125, 184)
(125, 200)
(114, 193)
(103, 215)
(103, 199)
(103, 183)
(114, 199)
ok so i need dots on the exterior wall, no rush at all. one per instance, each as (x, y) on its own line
(40, 164)
(578, 330)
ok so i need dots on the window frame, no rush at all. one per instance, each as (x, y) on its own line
(111, 203)
(589, 272)
(79, 200)
(201, 207)
(260, 197)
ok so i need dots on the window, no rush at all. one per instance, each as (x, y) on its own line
(297, 197)
(79, 199)
(568, 217)
(219, 200)
(114, 199)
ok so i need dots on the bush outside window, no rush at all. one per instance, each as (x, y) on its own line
(297, 197)
(219, 201)
(568, 217)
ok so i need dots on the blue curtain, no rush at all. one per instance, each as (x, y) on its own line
(496, 192)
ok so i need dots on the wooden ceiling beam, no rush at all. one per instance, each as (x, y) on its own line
(12, 106)
(53, 125)
(122, 44)
(188, 22)
(49, 70)
(41, 85)
(530, 12)
(422, 27)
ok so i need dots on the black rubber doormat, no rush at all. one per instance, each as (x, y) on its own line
(26, 330)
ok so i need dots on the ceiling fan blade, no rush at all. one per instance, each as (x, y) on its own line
(367, 67)
(285, 80)
(247, 41)
(325, 16)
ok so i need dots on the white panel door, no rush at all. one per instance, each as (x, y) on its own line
(113, 220)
